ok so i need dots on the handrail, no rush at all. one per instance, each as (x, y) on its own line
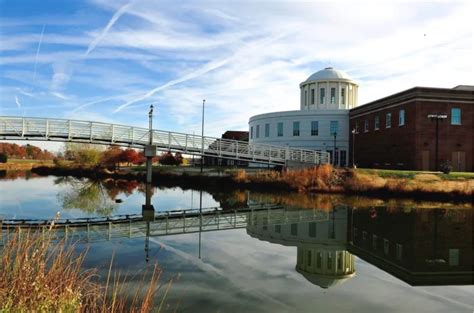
(54, 129)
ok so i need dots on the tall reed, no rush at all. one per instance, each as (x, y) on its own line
(38, 273)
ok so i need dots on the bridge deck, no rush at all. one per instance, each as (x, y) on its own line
(48, 129)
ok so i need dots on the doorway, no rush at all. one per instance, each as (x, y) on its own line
(459, 161)
(425, 160)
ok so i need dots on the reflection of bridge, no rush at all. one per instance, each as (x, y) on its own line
(167, 223)
(18, 128)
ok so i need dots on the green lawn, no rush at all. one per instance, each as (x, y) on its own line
(411, 174)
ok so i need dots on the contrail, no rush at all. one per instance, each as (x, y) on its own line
(38, 51)
(203, 70)
(17, 102)
(111, 23)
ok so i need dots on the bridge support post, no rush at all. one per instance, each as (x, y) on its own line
(148, 211)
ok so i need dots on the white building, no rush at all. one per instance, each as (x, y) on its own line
(322, 123)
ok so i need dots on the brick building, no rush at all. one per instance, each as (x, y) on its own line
(396, 132)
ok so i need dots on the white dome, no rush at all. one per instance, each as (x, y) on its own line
(329, 74)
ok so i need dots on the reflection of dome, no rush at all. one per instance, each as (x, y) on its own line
(329, 73)
(325, 266)
(325, 281)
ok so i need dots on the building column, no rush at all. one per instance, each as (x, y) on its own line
(338, 95)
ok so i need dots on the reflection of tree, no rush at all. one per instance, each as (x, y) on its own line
(86, 195)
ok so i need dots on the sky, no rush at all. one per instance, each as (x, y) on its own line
(108, 61)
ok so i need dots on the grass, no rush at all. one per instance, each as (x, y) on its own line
(411, 174)
(38, 274)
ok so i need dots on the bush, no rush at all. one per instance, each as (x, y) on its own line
(3, 158)
(446, 167)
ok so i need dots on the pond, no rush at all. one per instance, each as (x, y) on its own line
(320, 253)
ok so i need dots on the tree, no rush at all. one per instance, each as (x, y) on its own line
(111, 157)
(178, 157)
(3, 158)
(129, 156)
(84, 154)
(167, 158)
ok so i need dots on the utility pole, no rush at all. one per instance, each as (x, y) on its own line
(437, 118)
(202, 135)
(354, 133)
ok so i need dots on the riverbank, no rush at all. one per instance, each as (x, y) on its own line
(24, 164)
(322, 179)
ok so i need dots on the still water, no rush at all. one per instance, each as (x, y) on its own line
(320, 253)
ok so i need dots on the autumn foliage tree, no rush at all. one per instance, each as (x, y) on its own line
(167, 158)
(14, 151)
(111, 157)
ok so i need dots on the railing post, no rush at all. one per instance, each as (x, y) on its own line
(112, 134)
(186, 143)
(90, 131)
(169, 140)
(237, 149)
(46, 133)
(23, 127)
(132, 135)
(69, 130)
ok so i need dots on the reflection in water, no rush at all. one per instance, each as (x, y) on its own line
(87, 195)
(420, 247)
(322, 256)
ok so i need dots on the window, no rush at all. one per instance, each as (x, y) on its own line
(364, 235)
(334, 127)
(305, 97)
(386, 246)
(455, 116)
(280, 129)
(453, 257)
(357, 126)
(296, 128)
(374, 242)
(294, 229)
(312, 96)
(339, 261)
(267, 130)
(314, 128)
(388, 120)
(309, 258)
(377, 123)
(258, 131)
(343, 157)
(278, 229)
(322, 95)
(312, 229)
(401, 118)
(399, 250)
(319, 260)
(343, 95)
(330, 154)
(366, 126)
(329, 261)
(333, 95)
(251, 132)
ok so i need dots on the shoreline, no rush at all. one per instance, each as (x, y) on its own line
(340, 181)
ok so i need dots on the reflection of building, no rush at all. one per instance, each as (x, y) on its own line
(322, 257)
(322, 121)
(404, 116)
(421, 247)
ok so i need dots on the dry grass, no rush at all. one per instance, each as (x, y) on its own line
(37, 274)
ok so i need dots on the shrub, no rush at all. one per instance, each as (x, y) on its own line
(446, 167)
(3, 158)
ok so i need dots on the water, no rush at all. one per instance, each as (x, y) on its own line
(333, 253)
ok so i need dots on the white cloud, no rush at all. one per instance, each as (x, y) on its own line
(18, 104)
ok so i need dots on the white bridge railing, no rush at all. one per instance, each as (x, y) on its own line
(15, 128)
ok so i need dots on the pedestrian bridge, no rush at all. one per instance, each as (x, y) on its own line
(164, 224)
(51, 129)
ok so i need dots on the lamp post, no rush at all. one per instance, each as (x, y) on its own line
(437, 118)
(354, 133)
(148, 211)
(202, 135)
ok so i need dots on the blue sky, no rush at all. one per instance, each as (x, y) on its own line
(108, 60)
